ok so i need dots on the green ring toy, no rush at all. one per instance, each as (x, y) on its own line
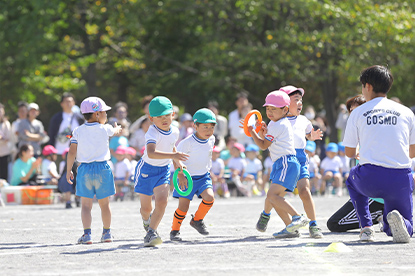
(189, 182)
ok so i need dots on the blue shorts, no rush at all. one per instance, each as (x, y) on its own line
(312, 175)
(285, 172)
(147, 177)
(200, 183)
(95, 178)
(333, 172)
(303, 160)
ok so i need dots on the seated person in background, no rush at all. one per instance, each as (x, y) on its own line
(253, 172)
(220, 187)
(345, 161)
(137, 139)
(331, 168)
(25, 167)
(122, 170)
(49, 170)
(237, 166)
(313, 166)
(266, 175)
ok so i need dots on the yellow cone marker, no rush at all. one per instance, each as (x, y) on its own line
(337, 247)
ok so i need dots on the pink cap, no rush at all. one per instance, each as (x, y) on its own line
(240, 147)
(277, 99)
(290, 89)
(142, 150)
(93, 104)
(216, 149)
(65, 151)
(121, 150)
(49, 149)
(131, 151)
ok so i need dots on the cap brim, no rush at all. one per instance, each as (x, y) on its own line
(162, 113)
(267, 104)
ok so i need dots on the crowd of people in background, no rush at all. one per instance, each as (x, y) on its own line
(31, 155)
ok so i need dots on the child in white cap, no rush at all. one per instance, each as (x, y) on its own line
(90, 145)
(278, 137)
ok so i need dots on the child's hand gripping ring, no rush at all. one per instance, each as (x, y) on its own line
(189, 182)
(252, 112)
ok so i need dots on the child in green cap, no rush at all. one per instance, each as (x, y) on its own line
(152, 174)
(199, 147)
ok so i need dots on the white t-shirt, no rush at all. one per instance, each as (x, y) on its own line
(331, 164)
(281, 134)
(217, 166)
(235, 130)
(121, 168)
(93, 142)
(200, 154)
(383, 129)
(237, 163)
(301, 126)
(47, 167)
(133, 165)
(313, 163)
(68, 121)
(268, 165)
(253, 166)
(346, 163)
(165, 142)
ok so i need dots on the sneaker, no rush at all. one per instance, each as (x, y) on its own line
(152, 239)
(106, 237)
(262, 223)
(199, 226)
(175, 236)
(147, 225)
(284, 234)
(398, 228)
(296, 223)
(85, 239)
(367, 234)
(315, 232)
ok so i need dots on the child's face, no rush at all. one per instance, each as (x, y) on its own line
(251, 155)
(33, 113)
(331, 154)
(296, 104)
(119, 157)
(163, 122)
(309, 153)
(276, 113)
(235, 152)
(54, 157)
(215, 155)
(341, 153)
(22, 112)
(29, 153)
(204, 131)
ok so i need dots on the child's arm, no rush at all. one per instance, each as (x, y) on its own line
(69, 162)
(259, 138)
(156, 154)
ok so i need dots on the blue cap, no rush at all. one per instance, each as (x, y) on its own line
(310, 146)
(341, 146)
(252, 147)
(186, 117)
(332, 147)
(204, 116)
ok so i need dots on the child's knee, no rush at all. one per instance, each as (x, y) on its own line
(146, 209)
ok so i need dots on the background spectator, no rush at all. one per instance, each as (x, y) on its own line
(221, 129)
(121, 117)
(5, 144)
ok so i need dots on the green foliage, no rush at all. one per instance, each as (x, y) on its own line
(194, 51)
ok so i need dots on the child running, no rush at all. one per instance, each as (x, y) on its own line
(152, 174)
(302, 128)
(199, 147)
(90, 145)
(279, 138)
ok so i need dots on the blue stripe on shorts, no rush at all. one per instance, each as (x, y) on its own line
(147, 177)
(95, 178)
(285, 172)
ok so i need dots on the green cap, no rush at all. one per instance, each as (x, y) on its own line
(160, 106)
(204, 116)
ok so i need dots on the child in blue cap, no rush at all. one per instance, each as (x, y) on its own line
(199, 147)
(331, 168)
(90, 145)
(152, 174)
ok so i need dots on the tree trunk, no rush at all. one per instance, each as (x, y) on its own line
(329, 89)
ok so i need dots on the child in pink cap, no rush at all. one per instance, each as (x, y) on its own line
(278, 138)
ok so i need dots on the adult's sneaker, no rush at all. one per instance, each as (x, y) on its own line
(199, 225)
(175, 236)
(367, 234)
(85, 239)
(398, 228)
(106, 237)
(262, 223)
(152, 239)
(315, 232)
(284, 234)
(296, 223)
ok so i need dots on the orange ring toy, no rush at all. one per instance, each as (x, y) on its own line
(252, 112)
